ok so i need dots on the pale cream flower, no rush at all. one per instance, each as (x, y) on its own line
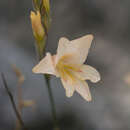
(68, 65)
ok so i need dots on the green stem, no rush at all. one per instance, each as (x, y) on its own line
(53, 108)
(41, 48)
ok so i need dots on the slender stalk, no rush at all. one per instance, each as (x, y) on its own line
(51, 98)
(52, 103)
(53, 108)
(13, 102)
(44, 8)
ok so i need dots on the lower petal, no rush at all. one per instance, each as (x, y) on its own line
(83, 89)
(69, 87)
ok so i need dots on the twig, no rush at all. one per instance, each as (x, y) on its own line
(12, 102)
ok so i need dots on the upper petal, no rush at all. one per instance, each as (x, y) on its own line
(76, 50)
(81, 47)
(62, 48)
(45, 66)
(83, 89)
(87, 72)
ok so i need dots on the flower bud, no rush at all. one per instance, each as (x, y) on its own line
(46, 5)
(36, 4)
(37, 27)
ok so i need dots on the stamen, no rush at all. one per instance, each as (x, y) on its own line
(66, 70)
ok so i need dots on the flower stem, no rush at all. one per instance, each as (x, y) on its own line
(53, 108)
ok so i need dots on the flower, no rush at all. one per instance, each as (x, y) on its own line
(68, 65)
(37, 27)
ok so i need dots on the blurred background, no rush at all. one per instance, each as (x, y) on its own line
(109, 22)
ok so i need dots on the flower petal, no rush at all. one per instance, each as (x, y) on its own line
(87, 73)
(83, 89)
(81, 47)
(46, 65)
(62, 48)
(76, 50)
(69, 87)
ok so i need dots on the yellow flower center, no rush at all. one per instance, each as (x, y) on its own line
(66, 70)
